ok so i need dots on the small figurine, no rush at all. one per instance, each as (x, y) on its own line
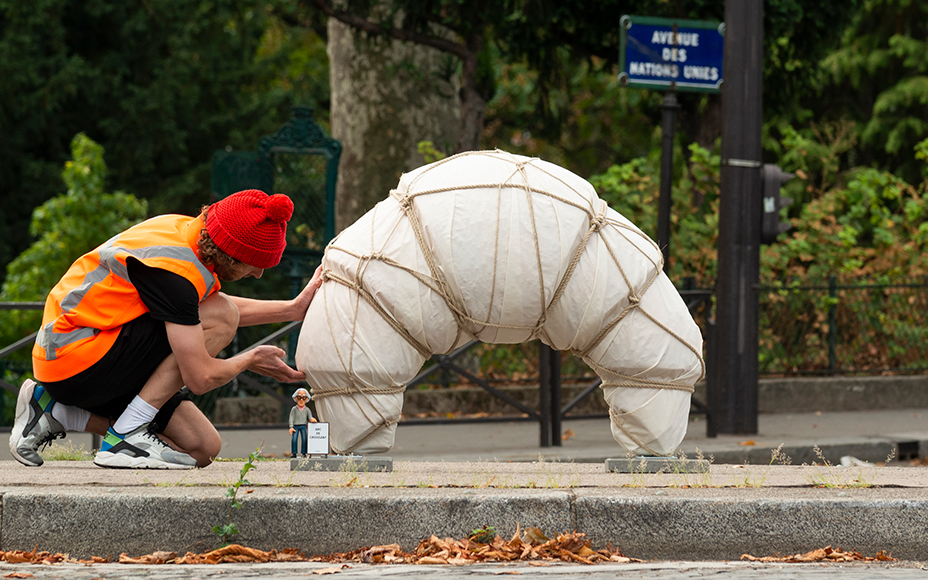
(300, 416)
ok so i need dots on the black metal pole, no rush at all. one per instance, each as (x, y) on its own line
(544, 394)
(556, 415)
(668, 127)
(712, 396)
(739, 219)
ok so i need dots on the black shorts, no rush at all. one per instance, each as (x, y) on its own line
(107, 387)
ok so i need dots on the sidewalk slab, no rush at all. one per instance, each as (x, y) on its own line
(720, 514)
(342, 463)
(451, 479)
(656, 465)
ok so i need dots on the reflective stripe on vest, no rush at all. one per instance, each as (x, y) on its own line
(50, 340)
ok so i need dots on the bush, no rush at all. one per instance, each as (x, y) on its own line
(66, 227)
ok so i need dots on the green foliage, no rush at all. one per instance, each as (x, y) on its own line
(815, 155)
(586, 113)
(860, 225)
(65, 227)
(864, 226)
(227, 530)
(161, 85)
(483, 535)
(879, 76)
(874, 226)
(428, 151)
(797, 36)
(633, 190)
(921, 152)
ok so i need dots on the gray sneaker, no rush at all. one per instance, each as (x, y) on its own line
(34, 427)
(140, 449)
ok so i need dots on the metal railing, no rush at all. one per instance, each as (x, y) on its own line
(549, 415)
(834, 328)
(805, 329)
(24, 342)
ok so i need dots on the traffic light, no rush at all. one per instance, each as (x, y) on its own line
(773, 180)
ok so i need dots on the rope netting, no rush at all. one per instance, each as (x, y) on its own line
(469, 324)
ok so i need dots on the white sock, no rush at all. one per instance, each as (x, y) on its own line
(71, 418)
(138, 413)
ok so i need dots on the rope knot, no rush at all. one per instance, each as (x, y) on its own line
(634, 299)
(597, 222)
(404, 200)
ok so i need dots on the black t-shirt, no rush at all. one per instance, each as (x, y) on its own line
(169, 297)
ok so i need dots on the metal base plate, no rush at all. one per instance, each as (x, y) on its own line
(642, 464)
(342, 463)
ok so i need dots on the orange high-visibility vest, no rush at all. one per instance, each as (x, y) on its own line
(86, 310)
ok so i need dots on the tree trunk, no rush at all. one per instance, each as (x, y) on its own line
(473, 105)
(387, 96)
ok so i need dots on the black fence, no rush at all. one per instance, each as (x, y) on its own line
(11, 368)
(805, 329)
(835, 328)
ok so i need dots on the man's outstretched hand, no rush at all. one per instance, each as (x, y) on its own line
(268, 360)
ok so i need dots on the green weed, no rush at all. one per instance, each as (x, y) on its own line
(839, 476)
(67, 451)
(229, 529)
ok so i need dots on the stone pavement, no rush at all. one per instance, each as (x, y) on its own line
(664, 570)
(867, 435)
(450, 479)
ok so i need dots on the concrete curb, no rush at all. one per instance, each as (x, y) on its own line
(703, 524)
(727, 528)
(872, 449)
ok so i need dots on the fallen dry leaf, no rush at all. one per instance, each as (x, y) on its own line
(827, 554)
(747, 443)
(148, 559)
(568, 434)
(18, 575)
(235, 553)
(534, 536)
(532, 546)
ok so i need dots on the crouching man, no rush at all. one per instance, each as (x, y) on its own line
(138, 318)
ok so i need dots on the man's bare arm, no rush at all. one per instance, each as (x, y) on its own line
(202, 372)
(252, 312)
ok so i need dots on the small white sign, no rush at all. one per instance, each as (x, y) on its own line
(317, 435)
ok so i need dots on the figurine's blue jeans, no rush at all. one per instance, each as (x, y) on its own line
(299, 431)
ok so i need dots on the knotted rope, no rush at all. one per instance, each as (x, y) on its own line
(469, 324)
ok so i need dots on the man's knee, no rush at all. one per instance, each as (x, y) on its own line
(210, 445)
(204, 446)
(191, 432)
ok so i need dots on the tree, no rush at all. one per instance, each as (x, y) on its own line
(553, 39)
(879, 78)
(428, 24)
(387, 95)
(65, 227)
(160, 84)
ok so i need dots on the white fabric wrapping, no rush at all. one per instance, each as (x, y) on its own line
(504, 249)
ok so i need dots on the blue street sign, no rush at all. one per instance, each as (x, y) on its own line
(668, 54)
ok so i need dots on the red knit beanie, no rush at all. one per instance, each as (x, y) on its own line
(251, 226)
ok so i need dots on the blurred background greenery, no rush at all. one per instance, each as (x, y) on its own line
(111, 112)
